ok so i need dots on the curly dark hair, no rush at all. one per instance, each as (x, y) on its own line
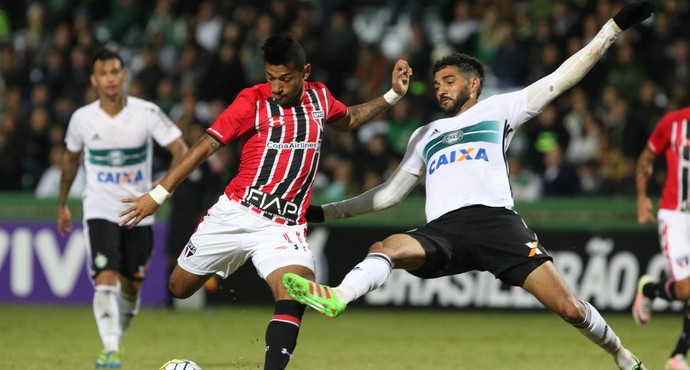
(465, 63)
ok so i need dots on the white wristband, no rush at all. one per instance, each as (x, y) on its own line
(159, 194)
(391, 97)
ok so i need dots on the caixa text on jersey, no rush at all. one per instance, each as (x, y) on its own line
(128, 177)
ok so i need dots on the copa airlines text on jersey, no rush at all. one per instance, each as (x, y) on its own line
(120, 177)
(293, 145)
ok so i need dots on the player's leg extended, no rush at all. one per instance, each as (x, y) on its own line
(547, 285)
(182, 283)
(283, 329)
(396, 251)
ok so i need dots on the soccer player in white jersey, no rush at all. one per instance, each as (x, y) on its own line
(670, 137)
(115, 136)
(261, 214)
(471, 224)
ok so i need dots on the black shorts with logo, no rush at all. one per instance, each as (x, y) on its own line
(112, 247)
(481, 238)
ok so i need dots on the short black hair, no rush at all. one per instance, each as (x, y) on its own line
(283, 49)
(104, 54)
(465, 63)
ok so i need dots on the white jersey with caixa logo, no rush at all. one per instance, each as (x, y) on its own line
(463, 157)
(118, 153)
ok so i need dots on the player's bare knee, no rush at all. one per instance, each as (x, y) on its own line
(377, 247)
(106, 277)
(383, 248)
(572, 312)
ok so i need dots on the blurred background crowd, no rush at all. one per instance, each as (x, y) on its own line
(192, 57)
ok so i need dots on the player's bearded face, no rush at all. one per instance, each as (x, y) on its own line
(452, 90)
(286, 84)
(108, 78)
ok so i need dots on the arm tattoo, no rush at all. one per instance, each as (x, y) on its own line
(643, 166)
(359, 114)
(641, 170)
(70, 167)
(213, 142)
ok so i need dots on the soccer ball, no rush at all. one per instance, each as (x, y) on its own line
(178, 364)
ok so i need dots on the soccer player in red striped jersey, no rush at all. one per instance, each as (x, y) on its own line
(671, 137)
(261, 214)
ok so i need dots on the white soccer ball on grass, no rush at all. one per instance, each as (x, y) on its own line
(180, 364)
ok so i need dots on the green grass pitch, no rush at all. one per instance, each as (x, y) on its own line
(232, 337)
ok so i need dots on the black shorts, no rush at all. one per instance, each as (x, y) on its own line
(480, 238)
(112, 247)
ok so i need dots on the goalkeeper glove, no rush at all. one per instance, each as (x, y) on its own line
(633, 13)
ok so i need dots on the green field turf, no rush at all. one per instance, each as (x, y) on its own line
(232, 337)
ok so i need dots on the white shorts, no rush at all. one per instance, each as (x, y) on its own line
(674, 237)
(230, 234)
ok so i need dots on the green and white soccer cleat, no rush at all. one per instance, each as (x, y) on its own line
(317, 296)
(627, 361)
(108, 360)
(642, 305)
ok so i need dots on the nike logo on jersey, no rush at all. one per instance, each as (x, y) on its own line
(466, 154)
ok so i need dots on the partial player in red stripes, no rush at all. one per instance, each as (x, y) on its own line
(671, 137)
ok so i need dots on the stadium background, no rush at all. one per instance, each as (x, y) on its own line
(572, 166)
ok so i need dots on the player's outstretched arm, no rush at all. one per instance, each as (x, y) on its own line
(148, 203)
(384, 196)
(542, 92)
(357, 115)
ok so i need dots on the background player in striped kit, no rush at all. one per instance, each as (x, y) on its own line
(670, 137)
(115, 135)
(261, 214)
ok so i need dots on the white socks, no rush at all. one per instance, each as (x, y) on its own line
(129, 307)
(114, 311)
(107, 313)
(368, 275)
(598, 331)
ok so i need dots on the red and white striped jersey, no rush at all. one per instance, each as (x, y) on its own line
(672, 136)
(280, 148)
